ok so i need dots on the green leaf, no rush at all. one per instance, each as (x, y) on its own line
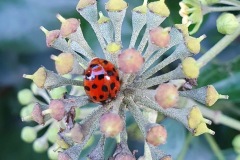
(175, 139)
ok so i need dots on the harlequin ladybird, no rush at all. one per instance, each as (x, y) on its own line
(101, 81)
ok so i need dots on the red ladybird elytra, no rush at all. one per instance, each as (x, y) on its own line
(101, 81)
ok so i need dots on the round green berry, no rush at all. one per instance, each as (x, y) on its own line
(52, 153)
(28, 134)
(25, 96)
(40, 145)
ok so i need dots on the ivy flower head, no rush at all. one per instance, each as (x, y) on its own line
(124, 79)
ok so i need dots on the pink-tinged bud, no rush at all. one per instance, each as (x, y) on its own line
(51, 36)
(76, 133)
(111, 124)
(125, 156)
(37, 114)
(122, 152)
(160, 37)
(167, 95)
(56, 110)
(63, 156)
(130, 61)
(68, 26)
(156, 135)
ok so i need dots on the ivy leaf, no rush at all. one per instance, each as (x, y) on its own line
(199, 149)
(175, 139)
(230, 86)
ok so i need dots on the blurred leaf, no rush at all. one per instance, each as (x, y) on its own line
(224, 76)
(200, 149)
(21, 21)
(175, 139)
(230, 86)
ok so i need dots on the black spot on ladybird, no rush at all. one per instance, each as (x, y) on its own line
(117, 78)
(101, 96)
(86, 88)
(101, 76)
(104, 88)
(112, 86)
(94, 86)
(105, 62)
(94, 97)
(109, 73)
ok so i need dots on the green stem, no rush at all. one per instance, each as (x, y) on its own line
(217, 48)
(207, 9)
(230, 2)
(184, 150)
(214, 147)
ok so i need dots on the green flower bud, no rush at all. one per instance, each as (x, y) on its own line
(84, 3)
(183, 28)
(236, 144)
(195, 117)
(52, 132)
(116, 5)
(159, 7)
(28, 134)
(102, 19)
(40, 145)
(193, 44)
(201, 129)
(227, 23)
(58, 93)
(113, 47)
(39, 77)
(61, 143)
(190, 67)
(52, 153)
(141, 9)
(25, 96)
(27, 110)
